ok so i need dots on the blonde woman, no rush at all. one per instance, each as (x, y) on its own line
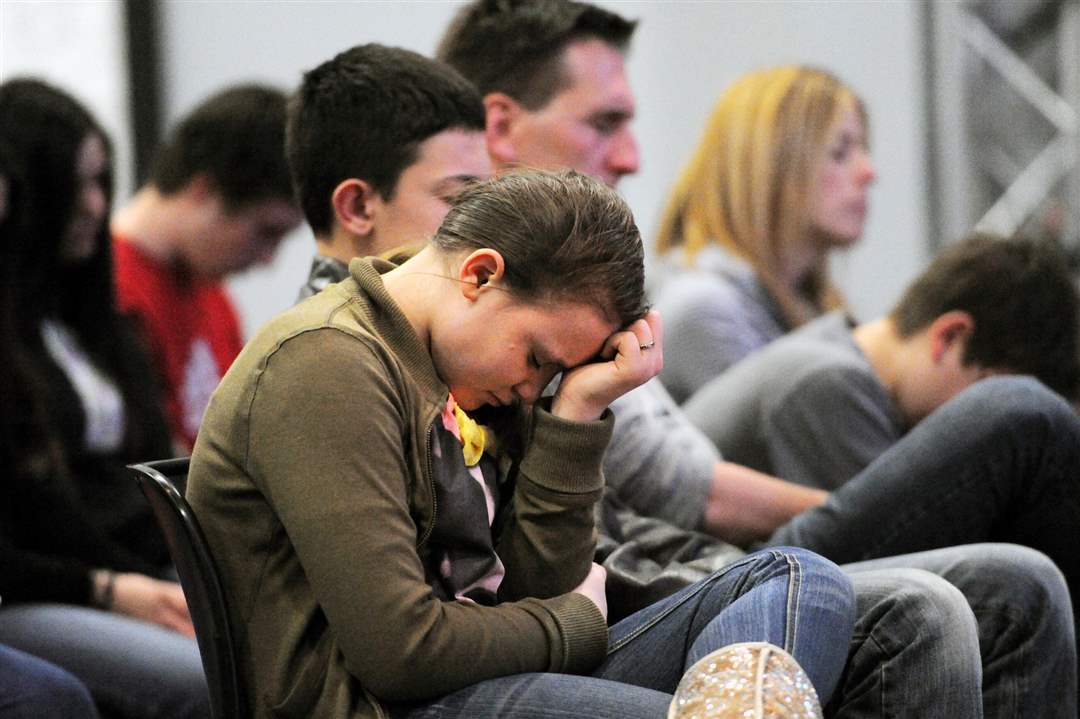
(779, 178)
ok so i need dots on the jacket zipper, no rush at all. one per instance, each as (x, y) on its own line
(431, 486)
(380, 713)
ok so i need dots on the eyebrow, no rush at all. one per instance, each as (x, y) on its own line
(276, 227)
(613, 115)
(448, 183)
(545, 357)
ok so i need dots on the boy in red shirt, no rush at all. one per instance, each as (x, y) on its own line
(219, 200)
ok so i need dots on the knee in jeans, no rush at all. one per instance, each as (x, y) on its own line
(807, 559)
(61, 692)
(924, 605)
(1018, 397)
(827, 574)
(1023, 578)
(72, 698)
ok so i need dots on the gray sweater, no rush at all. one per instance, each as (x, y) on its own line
(715, 313)
(808, 408)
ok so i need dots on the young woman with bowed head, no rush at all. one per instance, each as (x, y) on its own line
(779, 179)
(406, 527)
(82, 556)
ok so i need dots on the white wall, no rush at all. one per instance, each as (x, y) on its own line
(211, 44)
(684, 54)
(77, 45)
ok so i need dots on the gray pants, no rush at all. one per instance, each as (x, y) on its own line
(938, 631)
(133, 668)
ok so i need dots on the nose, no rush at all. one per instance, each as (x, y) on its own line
(623, 158)
(866, 172)
(266, 246)
(93, 202)
(530, 389)
(528, 392)
(266, 254)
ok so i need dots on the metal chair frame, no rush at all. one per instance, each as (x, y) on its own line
(201, 581)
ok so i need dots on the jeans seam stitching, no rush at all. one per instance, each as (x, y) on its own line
(794, 593)
(655, 620)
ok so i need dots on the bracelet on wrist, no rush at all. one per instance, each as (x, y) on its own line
(103, 583)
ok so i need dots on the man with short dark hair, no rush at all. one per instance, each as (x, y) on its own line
(379, 138)
(553, 80)
(665, 469)
(819, 405)
(218, 201)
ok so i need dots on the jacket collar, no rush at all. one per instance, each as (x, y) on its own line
(393, 326)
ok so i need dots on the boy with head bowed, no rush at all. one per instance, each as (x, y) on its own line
(819, 405)
(218, 202)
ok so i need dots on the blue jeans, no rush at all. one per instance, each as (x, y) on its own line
(31, 688)
(132, 668)
(789, 597)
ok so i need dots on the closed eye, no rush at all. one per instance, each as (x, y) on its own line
(607, 123)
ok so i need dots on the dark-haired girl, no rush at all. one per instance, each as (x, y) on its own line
(82, 557)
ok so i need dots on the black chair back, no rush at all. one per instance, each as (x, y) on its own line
(199, 578)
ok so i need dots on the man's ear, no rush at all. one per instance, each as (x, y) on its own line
(502, 114)
(355, 205)
(481, 268)
(950, 332)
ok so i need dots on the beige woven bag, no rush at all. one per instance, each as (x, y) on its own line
(755, 680)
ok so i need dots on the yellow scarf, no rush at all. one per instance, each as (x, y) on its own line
(472, 437)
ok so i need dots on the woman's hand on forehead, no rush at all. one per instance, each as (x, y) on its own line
(630, 357)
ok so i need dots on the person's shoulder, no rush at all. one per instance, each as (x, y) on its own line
(822, 344)
(139, 279)
(827, 338)
(812, 354)
(690, 288)
(325, 271)
(729, 271)
(211, 297)
(713, 275)
(818, 369)
(305, 350)
(718, 288)
(328, 314)
(830, 371)
(126, 252)
(696, 300)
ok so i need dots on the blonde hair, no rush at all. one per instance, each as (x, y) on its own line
(747, 186)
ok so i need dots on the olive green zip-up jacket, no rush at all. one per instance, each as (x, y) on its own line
(312, 480)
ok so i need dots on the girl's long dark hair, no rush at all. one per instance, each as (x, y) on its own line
(41, 131)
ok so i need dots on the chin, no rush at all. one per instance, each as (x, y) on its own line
(844, 239)
(78, 248)
(466, 400)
